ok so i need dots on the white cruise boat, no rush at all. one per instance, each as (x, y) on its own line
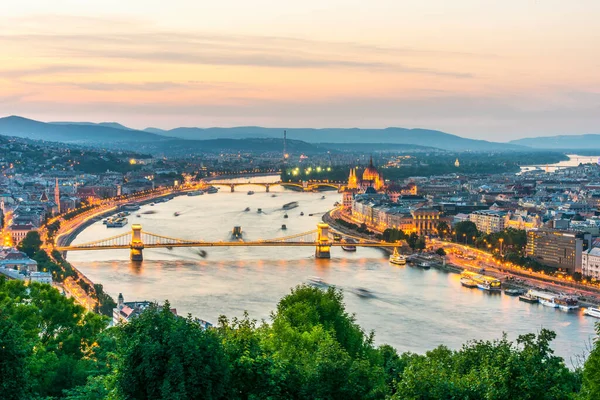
(545, 298)
(397, 258)
(592, 312)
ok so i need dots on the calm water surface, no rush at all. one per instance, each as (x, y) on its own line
(414, 310)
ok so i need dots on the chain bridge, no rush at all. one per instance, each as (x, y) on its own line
(322, 239)
(306, 186)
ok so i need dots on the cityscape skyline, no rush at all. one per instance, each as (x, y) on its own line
(495, 72)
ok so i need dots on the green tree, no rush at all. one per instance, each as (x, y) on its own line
(591, 373)
(14, 351)
(443, 229)
(465, 230)
(31, 244)
(323, 352)
(440, 252)
(163, 356)
(412, 240)
(491, 370)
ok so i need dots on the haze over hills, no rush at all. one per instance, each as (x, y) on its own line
(561, 142)
(72, 132)
(421, 137)
(115, 134)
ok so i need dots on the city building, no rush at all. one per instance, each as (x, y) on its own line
(371, 177)
(488, 221)
(558, 249)
(590, 263)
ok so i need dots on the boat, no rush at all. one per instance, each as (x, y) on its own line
(247, 209)
(317, 282)
(301, 213)
(528, 298)
(169, 247)
(362, 292)
(196, 193)
(468, 283)
(202, 253)
(116, 223)
(514, 292)
(130, 207)
(397, 258)
(283, 227)
(105, 221)
(337, 237)
(322, 197)
(152, 204)
(250, 192)
(592, 312)
(138, 215)
(289, 206)
(259, 210)
(176, 214)
(285, 215)
(273, 195)
(424, 265)
(212, 190)
(236, 232)
(567, 303)
(349, 245)
(487, 283)
(544, 298)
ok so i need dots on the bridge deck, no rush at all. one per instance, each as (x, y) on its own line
(233, 244)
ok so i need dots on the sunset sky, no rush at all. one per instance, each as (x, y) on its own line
(496, 70)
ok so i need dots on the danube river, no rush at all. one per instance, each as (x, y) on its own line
(413, 310)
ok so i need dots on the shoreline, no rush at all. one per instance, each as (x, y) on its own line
(525, 281)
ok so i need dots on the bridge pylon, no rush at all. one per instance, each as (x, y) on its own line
(323, 244)
(136, 246)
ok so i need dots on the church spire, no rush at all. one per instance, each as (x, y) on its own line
(371, 161)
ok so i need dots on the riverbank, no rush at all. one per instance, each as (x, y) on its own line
(524, 281)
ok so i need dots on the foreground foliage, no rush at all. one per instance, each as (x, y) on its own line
(312, 349)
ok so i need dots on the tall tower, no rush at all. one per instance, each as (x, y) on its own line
(285, 154)
(457, 163)
(352, 180)
(57, 195)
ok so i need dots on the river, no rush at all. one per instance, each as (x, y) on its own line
(573, 161)
(413, 310)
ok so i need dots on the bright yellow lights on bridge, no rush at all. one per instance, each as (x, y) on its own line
(318, 169)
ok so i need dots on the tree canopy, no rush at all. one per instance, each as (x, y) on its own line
(312, 348)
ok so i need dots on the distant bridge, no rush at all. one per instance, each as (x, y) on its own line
(306, 186)
(138, 240)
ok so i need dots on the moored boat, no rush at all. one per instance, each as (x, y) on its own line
(337, 237)
(513, 292)
(528, 298)
(424, 265)
(176, 214)
(301, 213)
(116, 223)
(397, 258)
(592, 312)
(567, 303)
(545, 298)
(212, 190)
(250, 192)
(468, 283)
(285, 215)
(487, 283)
(259, 210)
(247, 209)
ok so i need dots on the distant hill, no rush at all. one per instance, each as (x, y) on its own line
(420, 137)
(72, 132)
(115, 125)
(561, 142)
(155, 130)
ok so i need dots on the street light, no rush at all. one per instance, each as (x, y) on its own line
(501, 240)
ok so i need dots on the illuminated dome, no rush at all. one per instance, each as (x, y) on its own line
(372, 176)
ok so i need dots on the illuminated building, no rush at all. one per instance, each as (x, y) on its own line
(590, 263)
(456, 163)
(558, 249)
(371, 177)
(426, 220)
(488, 221)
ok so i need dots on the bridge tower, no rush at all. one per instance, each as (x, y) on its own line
(323, 246)
(136, 246)
(267, 186)
(232, 186)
